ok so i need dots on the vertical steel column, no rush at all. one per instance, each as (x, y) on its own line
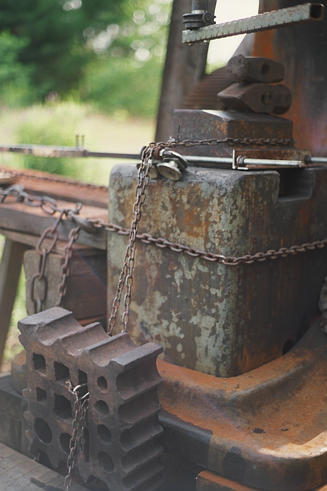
(184, 67)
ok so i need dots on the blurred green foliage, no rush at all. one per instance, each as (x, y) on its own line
(106, 52)
(14, 76)
(56, 127)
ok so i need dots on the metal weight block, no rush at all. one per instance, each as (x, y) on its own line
(255, 69)
(259, 98)
(122, 449)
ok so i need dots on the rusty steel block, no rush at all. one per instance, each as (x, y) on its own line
(199, 124)
(123, 450)
(264, 430)
(213, 318)
(255, 69)
(259, 98)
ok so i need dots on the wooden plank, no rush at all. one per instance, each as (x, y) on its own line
(184, 67)
(60, 187)
(10, 269)
(19, 217)
(86, 283)
(32, 240)
(19, 473)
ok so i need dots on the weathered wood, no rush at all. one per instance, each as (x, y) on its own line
(60, 187)
(19, 217)
(20, 473)
(32, 240)
(86, 283)
(184, 67)
(10, 269)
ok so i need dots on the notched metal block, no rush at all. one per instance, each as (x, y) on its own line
(255, 69)
(256, 97)
(122, 450)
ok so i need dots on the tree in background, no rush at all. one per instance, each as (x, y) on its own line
(101, 51)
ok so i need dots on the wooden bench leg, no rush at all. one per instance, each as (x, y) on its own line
(10, 268)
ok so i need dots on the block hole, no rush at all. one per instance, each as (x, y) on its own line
(295, 183)
(43, 431)
(61, 371)
(64, 442)
(103, 433)
(39, 362)
(102, 407)
(316, 11)
(41, 395)
(105, 461)
(96, 484)
(62, 407)
(102, 383)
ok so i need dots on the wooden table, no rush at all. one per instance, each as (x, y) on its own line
(20, 473)
(22, 226)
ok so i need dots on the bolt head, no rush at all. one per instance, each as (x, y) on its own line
(170, 170)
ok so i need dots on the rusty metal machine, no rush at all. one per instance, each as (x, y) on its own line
(229, 217)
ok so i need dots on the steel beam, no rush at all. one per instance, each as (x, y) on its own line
(261, 22)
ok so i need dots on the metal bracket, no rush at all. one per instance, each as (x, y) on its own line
(269, 159)
(261, 22)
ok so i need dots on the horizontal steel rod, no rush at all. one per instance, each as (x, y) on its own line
(261, 22)
(72, 152)
(75, 152)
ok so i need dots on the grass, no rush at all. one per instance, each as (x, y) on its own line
(59, 123)
(102, 133)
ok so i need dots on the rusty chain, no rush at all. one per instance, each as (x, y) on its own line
(126, 275)
(39, 282)
(77, 440)
(65, 268)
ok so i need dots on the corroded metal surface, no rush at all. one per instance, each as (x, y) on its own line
(208, 317)
(255, 69)
(265, 429)
(122, 447)
(303, 51)
(204, 124)
(207, 481)
(256, 97)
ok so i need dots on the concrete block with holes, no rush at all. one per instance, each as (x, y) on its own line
(122, 433)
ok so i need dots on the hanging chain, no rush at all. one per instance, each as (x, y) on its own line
(126, 275)
(77, 440)
(65, 268)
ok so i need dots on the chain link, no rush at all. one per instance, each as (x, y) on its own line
(77, 440)
(39, 282)
(65, 269)
(126, 275)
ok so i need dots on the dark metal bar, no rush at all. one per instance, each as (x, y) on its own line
(72, 152)
(184, 68)
(261, 22)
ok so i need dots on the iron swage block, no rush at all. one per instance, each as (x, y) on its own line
(122, 448)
